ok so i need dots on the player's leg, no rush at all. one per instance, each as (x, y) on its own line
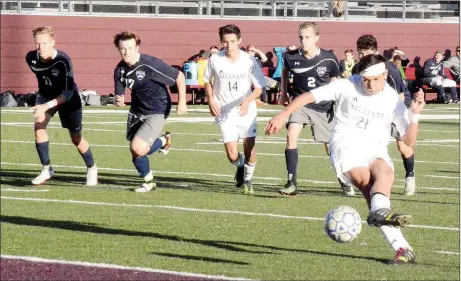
(72, 120)
(382, 216)
(295, 124)
(322, 125)
(437, 84)
(408, 157)
(248, 133)
(448, 83)
(230, 136)
(42, 146)
(147, 141)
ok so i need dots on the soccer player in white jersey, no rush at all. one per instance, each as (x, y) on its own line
(229, 77)
(358, 148)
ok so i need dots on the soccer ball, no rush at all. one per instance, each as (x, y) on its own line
(343, 224)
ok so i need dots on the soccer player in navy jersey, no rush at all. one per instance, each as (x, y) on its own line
(367, 45)
(148, 78)
(57, 92)
(312, 67)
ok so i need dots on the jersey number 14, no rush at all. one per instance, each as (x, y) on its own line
(233, 86)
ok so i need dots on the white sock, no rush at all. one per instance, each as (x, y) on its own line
(379, 201)
(149, 177)
(395, 237)
(240, 161)
(249, 169)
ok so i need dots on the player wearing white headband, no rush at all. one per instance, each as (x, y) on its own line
(358, 148)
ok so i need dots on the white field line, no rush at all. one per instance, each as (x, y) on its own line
(442, 177)
(214, 151)
(447, 253)
(122, 267)
(186, 209)
(123, 123)
(24, 190)
(209, 175)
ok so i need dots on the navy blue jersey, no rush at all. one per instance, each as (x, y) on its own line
(54, 77)
(394, 77)
(148, 80)
(432, 69)
(311, 73)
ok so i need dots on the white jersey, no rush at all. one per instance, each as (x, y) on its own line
(232, 81)
(360, 117)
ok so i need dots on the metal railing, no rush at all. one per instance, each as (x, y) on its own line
(444, 11)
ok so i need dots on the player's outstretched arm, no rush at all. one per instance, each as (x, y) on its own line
(276, 122)
(181, 108)
(417, 104)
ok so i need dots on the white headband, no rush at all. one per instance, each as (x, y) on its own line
(374, 70)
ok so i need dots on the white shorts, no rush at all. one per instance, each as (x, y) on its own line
(345, 158)
(235, 127)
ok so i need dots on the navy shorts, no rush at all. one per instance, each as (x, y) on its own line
(71, 116)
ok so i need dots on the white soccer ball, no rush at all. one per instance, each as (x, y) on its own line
(343, 224)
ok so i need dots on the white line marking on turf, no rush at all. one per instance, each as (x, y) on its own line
(200, 210)
(202, 174)
(115, 266)
(215, 151)
(448, 253)
(442, 177)
(24, 190)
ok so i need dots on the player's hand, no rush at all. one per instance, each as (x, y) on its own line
(284, 99)
(39, 111)
(215, 109)
(418, 102)
(181, 108)
(243, 108)
(120, 100)
(274, 124)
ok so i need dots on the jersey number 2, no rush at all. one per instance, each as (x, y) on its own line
(233, 86)
(311, 82)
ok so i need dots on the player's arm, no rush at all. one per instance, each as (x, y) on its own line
(181, 85)
(119, 88)
(261, 55)
(258, 81)
(403, 120)
(214, 107)
(328, 92)
(283, 98)
(427, 70)
(70, 89)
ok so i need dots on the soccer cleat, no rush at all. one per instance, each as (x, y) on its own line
(239, 176)
(92, 176)
(166, 148)
(248, 188)
(347, 189)
(290, 188)
(410, 186)
(146, 187)
(404, 256)
(385, 216)
(46, 174)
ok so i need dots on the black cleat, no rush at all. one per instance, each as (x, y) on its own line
(385, 216)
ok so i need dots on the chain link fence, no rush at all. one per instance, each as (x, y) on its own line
(444, 11)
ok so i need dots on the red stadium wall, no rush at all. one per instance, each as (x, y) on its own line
(88, 41)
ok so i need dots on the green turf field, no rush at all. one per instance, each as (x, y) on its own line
(197, 221)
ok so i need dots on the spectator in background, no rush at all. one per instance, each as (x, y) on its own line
(434, 76)
(397, 61)
(346, 65)
(453, 64)
(261, 58)
(396, 51)
(214, 50)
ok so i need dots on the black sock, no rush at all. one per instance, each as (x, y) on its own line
(454, 94)
(43, 152)
(88, 158)
(409, 164)
(441, 92)
(291, 158)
